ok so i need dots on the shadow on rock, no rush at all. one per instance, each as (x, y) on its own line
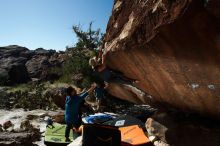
(181, 130)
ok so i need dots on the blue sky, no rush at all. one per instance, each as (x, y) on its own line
(48, 23)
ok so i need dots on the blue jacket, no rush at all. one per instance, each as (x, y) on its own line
(72, 107)
(99, 92)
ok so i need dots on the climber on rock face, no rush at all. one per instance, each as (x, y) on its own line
(100, 68)
(104, 74)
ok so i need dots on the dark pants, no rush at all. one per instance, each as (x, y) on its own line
(70, 126)
(67, 131)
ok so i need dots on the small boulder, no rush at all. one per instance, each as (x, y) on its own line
(58, 95)
(155, 128)
(59, 118)
(32, 117)
(1, 130)
(26, 126)
(179, 129)
(7, 125)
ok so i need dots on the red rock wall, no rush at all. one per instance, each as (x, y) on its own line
(172, 47)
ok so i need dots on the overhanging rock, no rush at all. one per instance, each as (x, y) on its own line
(171, 47)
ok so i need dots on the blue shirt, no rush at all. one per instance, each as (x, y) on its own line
(72, 106)
(106, 74)
(99, 92)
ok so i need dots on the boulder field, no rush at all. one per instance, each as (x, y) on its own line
(19, 64)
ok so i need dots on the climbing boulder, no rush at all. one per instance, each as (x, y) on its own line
(171, 47)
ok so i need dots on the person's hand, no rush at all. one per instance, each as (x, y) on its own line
(106, 85)
(84, 89)
(93, 86)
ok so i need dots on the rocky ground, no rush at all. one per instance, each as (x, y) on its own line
(25, 128)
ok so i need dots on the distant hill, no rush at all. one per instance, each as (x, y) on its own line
(20, 65)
